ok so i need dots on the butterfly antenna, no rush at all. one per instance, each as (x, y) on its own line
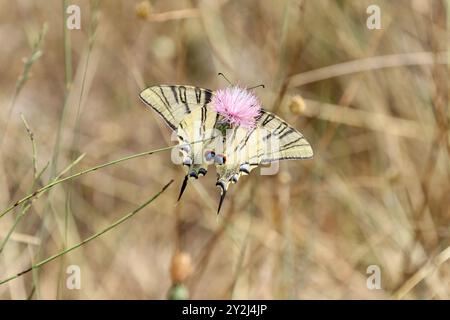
(259, 85)
(222, 75)
(183, 186)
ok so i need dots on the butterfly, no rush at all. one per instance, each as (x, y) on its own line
(226, 128)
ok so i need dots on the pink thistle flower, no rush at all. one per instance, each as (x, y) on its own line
(237, 105)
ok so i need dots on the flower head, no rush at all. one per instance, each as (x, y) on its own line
(237, 105)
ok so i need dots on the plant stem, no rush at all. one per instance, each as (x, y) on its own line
(115, 224)
(76, 175)
(27, 205)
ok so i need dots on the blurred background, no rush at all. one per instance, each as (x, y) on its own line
(373, 103)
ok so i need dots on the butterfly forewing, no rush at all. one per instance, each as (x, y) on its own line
(277, 140)
(270, 140)
(173, 103)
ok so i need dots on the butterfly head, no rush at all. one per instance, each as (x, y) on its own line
(237, 106)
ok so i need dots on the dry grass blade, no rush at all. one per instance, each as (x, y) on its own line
(36, 53)
(364, 119)
(428, 268)
(367, 64)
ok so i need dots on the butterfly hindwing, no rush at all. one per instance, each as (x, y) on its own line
(197, 132)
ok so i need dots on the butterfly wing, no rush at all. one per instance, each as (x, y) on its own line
(197, 135)
(173, 103)
(184, 109)
(271, 139)
(276, 140)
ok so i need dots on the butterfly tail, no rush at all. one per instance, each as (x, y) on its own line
(183, 186)
(223, 192)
